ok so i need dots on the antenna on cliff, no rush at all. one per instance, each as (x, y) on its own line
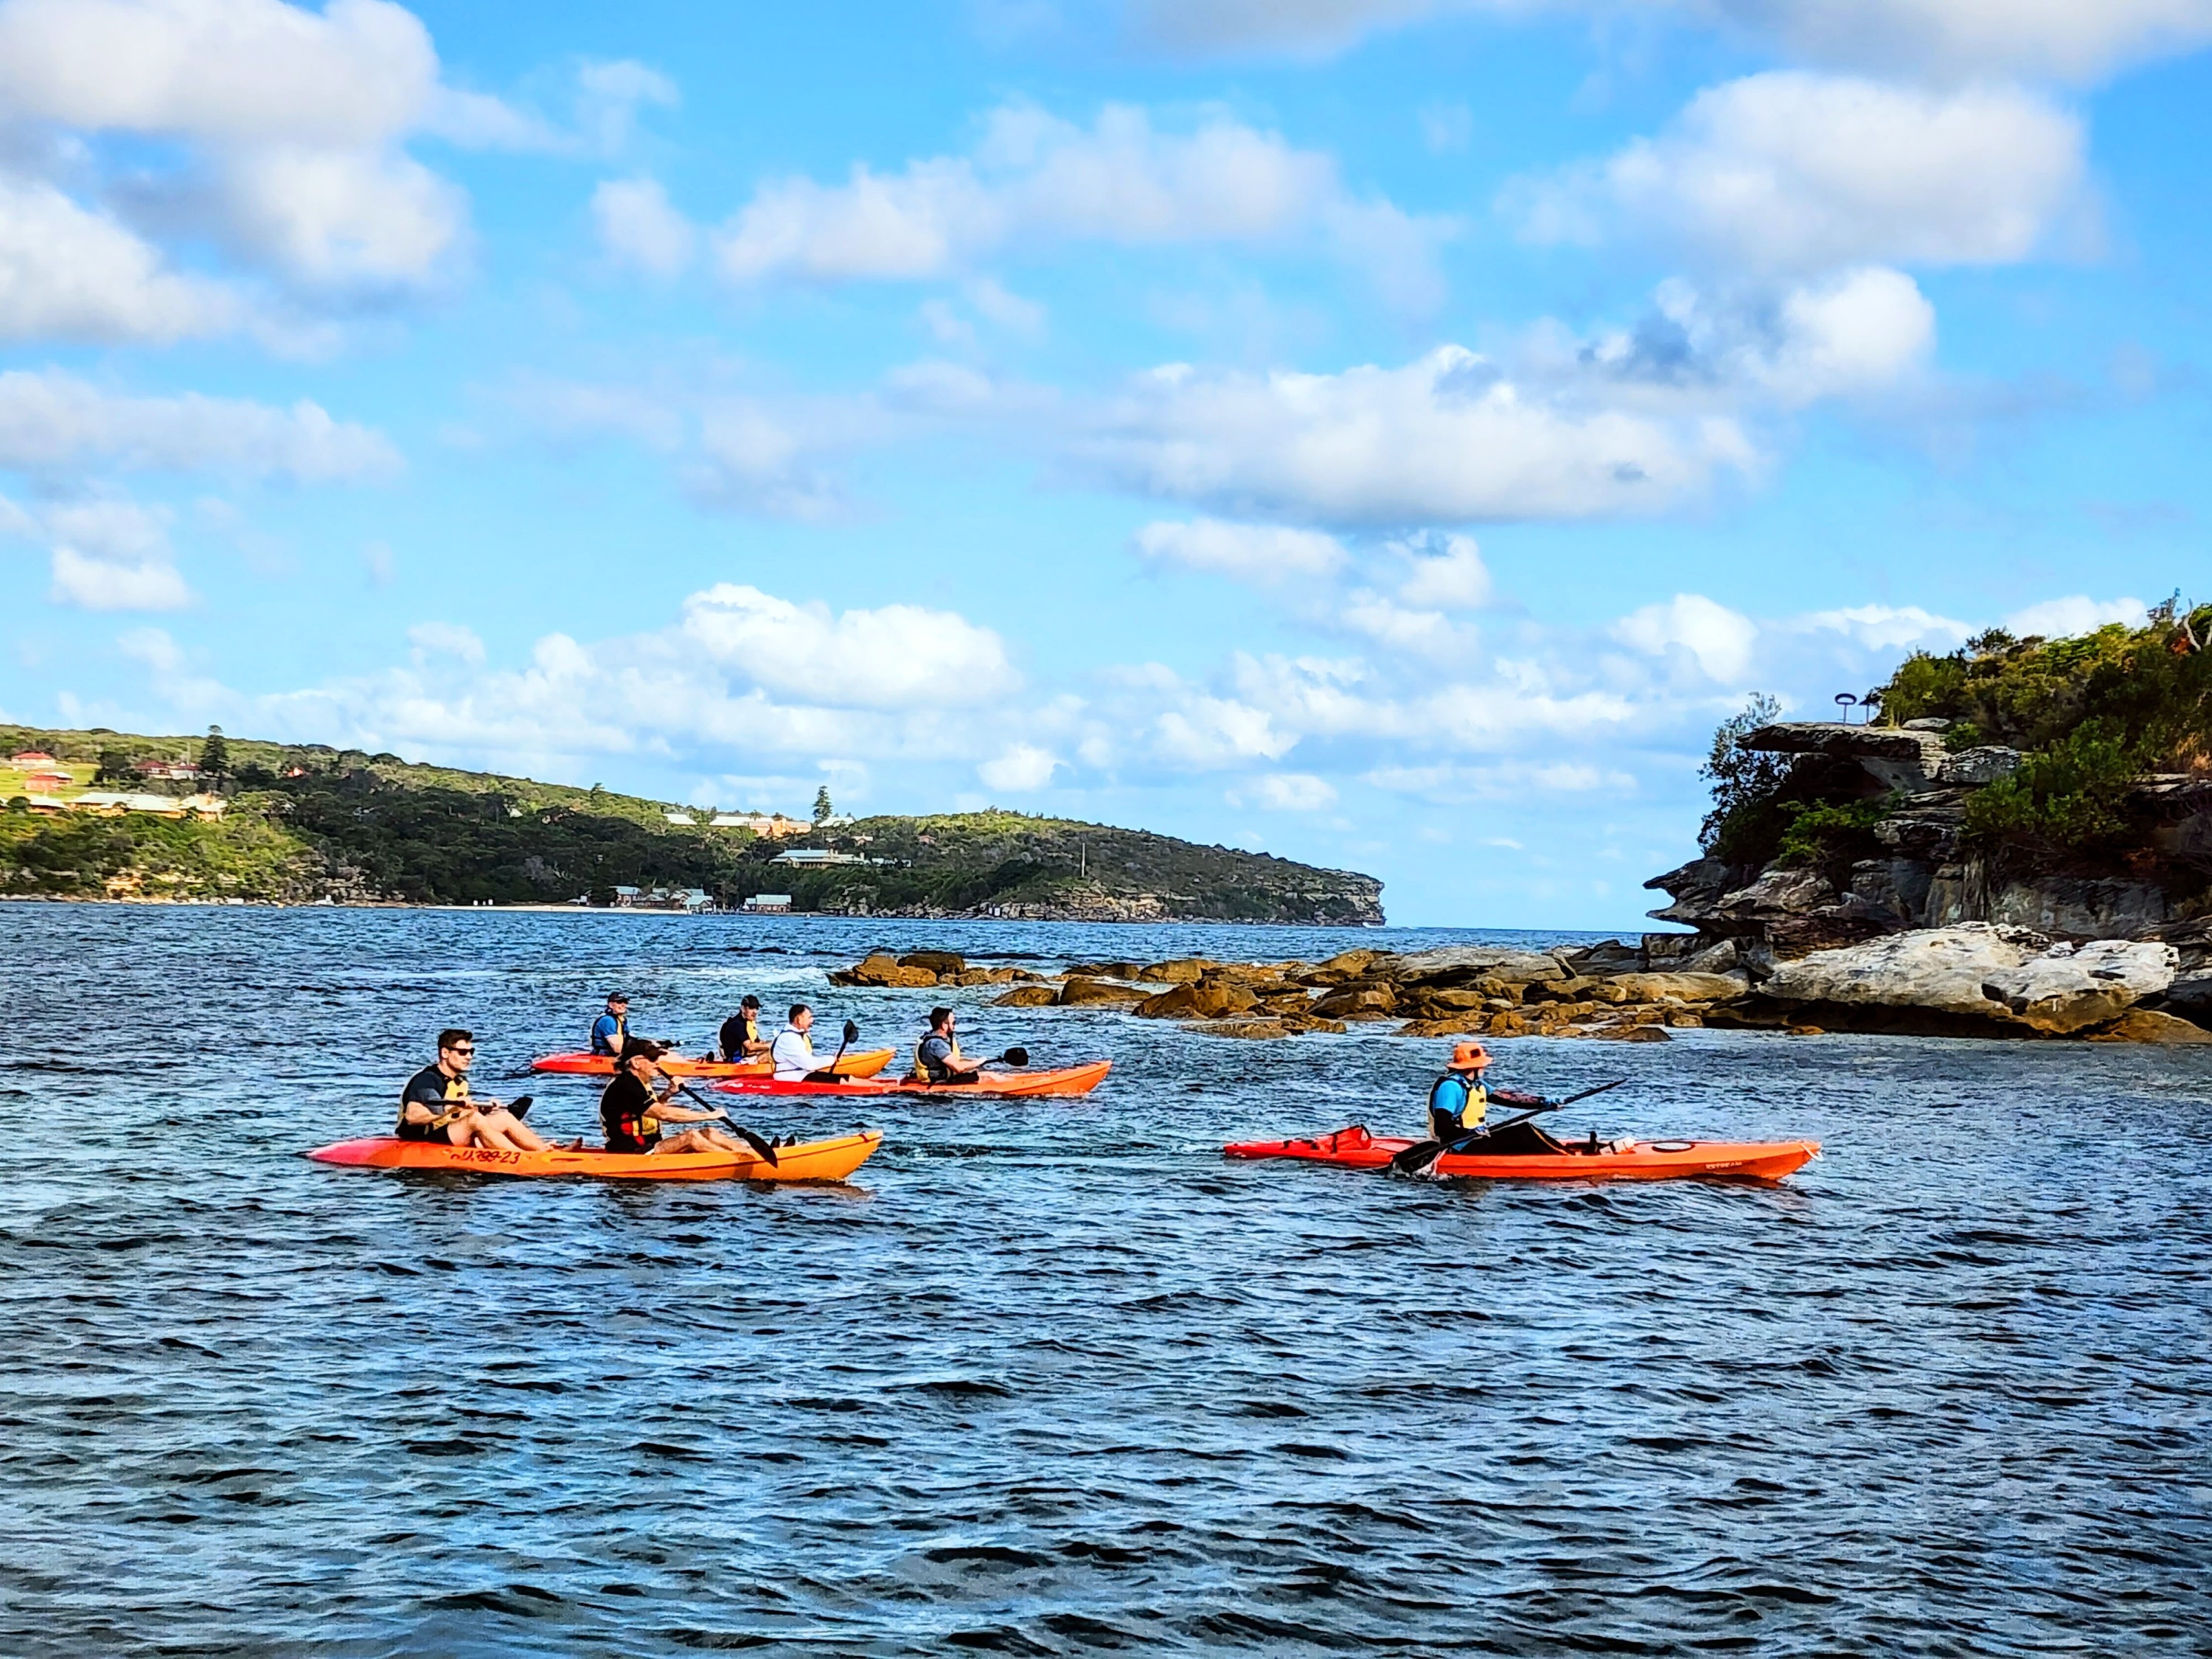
(1846, 702)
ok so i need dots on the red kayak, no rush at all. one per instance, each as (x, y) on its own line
(866, 1063)
(1065, 1081)
(1552, 1160)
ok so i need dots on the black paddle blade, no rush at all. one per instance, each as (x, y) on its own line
(852, 1031)
(754, 1141)
(519, 1106)
(1017, 1056)
(1417, 1158)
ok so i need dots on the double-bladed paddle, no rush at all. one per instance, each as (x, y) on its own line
(737, 1129)
(829, 1073)
(1423, 1156)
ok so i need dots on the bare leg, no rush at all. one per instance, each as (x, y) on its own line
(519, 1135)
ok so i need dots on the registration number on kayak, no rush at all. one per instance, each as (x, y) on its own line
(488, 1155)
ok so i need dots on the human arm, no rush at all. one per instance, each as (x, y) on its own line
(1516, 1097)
(669, 1113)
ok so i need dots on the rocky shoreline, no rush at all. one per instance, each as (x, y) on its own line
(1977, 979)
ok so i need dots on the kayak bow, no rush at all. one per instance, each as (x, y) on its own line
(1066, 1080)
(814, 1160)
(865, 1064)
(1660, 1160)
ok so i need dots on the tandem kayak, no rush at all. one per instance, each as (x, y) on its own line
(864, 1063)
(1063, 1081)
(1655, 1160)
(813, 1160)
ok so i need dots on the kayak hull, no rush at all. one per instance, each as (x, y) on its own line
(1065, 1081)
(1663, 1160)
(867, 1063)
(815, 1160)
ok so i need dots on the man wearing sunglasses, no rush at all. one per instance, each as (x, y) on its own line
(435, 1105)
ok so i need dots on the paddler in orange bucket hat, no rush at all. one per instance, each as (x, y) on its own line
(1458, 1101)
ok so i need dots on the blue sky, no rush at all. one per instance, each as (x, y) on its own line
(1386, 433)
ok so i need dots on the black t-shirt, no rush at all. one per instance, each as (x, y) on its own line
(737, 1030)
(433, 1089)
(626, 1114)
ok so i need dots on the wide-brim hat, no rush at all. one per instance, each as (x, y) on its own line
(641, 1047)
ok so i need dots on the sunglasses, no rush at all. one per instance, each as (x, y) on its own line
(462, 1049)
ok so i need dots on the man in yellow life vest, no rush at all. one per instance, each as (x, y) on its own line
(435, 1104)
(938, 1058)
(1457, 1100)
(612, 1029)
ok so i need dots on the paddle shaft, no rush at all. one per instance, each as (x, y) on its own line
(756, 1142)
(1420, 1155)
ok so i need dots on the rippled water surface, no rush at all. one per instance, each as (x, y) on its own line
(1053, 1377)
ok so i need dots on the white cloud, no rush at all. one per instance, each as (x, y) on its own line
(2076, 614)
(2070, 39)
(290, 125)
(231, 70)
(881, 658)
(1721, 640)
(1246, 552)
(757, 459)
(609, 95)
(1022, 768)
(1422, 632)
(52, 420)
(1884, 626)
(637, 227)
(107, 554)
(94, 584)
(1447, 438)
(445, 643)
(1036, 179)
(1855, 333)
(1795, 172)
(1454, 580)
(1209, 731)
(337, 219)
(68, 273)
(1286, 791)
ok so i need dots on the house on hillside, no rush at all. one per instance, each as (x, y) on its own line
(769, 904)
(113, 802)
(774, 825)
(813, 858)
(24, 759)
(47, 783)
(170, 771)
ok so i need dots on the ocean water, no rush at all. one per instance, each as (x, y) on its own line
(1053, 1377)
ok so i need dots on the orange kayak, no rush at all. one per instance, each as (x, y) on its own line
(815, 1160)
(1656, 1160)
(863, 1063)
(1065, 1081)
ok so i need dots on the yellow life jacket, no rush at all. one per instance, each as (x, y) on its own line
(920, 1072)
(1470, 1115)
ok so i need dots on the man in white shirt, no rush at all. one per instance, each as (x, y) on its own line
(793, 1051)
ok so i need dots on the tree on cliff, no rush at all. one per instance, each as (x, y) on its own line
(1744, 782)
(823, 810)
(215, 755)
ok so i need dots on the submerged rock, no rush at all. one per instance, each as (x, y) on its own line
(2148, 1025)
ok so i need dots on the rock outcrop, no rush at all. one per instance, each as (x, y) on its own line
(1978, 979)
(1926, 875)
